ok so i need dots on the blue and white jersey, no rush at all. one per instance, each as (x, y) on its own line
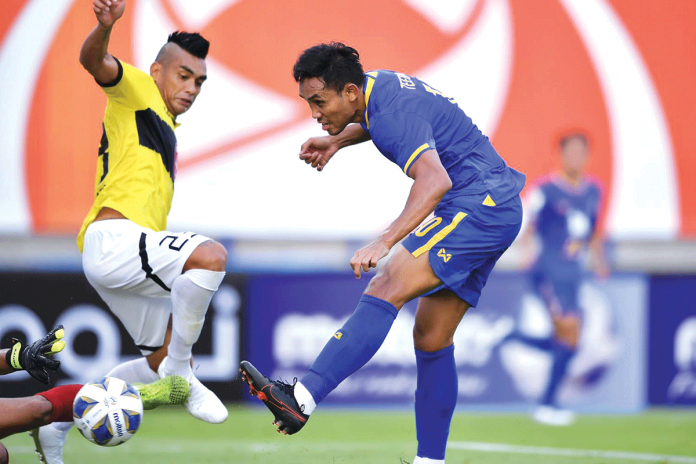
(406, 117)
(565, 216)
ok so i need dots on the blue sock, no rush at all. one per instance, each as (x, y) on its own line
(562, 355)
(351, 347)
(436, 397)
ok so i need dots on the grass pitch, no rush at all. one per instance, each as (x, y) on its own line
(170, 435)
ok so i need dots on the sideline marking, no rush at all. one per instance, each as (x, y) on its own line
(518, 449)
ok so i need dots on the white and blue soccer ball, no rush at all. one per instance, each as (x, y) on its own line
(108, 411)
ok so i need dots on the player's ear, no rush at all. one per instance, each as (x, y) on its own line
(155, 69)
(352, 91)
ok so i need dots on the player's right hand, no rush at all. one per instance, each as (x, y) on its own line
(317, 151)
(367, 257)
(108, 11)
(37, 358)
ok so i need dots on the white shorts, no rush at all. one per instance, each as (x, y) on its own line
(133, 269)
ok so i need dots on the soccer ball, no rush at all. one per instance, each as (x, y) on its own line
(108, 411)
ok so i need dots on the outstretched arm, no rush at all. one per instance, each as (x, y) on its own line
(94, 56)
(4, 367)
(317, 151)
(37, 358)
(431, 183)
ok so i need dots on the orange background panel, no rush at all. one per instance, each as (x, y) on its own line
(553, 84)
(665, 33)
(553, 88)
(10, 12)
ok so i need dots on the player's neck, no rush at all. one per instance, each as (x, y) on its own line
(573, 178)
(361, 107)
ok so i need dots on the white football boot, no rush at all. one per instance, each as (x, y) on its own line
(420, 460)
(202, 403)
(50, 440)
(549, 415)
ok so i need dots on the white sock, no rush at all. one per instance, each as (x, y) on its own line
(136, 371)
(304, 398)
(420, 460)
(191, 295)
(61, 426)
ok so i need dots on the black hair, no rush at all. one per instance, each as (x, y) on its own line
(334, 63)
(566, 138)
(192, 42)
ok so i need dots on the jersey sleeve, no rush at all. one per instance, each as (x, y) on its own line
(402, 137)
(132, 87)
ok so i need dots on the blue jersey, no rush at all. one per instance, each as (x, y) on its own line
(406, 117)
(565, 216)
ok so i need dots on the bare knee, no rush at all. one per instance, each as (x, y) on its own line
(209, 255)
(430, 340)
(384, 287)
(567, 330)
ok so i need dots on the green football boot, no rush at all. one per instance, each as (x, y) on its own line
(172, 389)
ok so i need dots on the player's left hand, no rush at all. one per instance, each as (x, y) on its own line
(37, 358)
(367, 257)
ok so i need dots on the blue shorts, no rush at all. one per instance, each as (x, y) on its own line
(464, 241)
(559, 294)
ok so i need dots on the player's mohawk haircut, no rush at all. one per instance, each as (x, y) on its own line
(334, 63)
(192, 42)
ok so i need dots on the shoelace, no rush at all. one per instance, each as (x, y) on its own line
(285, 387)
(289, 390)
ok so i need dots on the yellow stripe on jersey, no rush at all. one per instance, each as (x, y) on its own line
(413, 157)
(440, 235)
(488, 201)
(370, 83)
(137, 155)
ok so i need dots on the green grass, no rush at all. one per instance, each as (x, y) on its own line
(170, 435)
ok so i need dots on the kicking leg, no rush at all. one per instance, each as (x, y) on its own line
(400, 279)
(437, 318)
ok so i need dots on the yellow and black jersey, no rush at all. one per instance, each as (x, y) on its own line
(137, 154)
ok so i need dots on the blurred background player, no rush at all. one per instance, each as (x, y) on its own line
(460, 177)
(144, 273)
(56, 405)
(563, 212)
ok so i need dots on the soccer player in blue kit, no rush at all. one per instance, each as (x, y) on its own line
(460, 178)
(563, 210)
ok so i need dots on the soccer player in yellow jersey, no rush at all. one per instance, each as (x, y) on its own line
(146, 275)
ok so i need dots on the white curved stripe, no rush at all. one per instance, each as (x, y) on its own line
(196, 15)
(568, 452)
(476, 71)
(298, 202)
(448, 16)
(645, 199)
(21, 58)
